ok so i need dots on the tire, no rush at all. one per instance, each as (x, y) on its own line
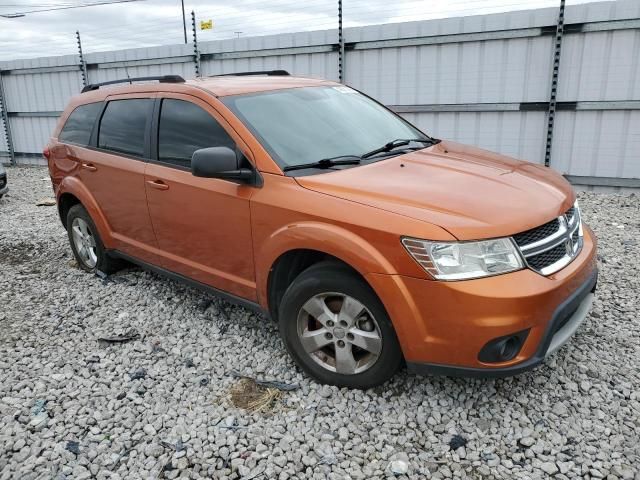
(335, 344)
(86, 243)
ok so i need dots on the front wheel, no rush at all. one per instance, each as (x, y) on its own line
(337, 330)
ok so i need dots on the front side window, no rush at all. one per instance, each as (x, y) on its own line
(185, 128)
(302, 125)
(79, 125)
(123, 126)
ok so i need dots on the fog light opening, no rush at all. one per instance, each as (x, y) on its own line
(503, 349)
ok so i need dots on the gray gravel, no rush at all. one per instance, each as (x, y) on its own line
(160, 406)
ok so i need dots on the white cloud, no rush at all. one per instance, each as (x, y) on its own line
(158, 22)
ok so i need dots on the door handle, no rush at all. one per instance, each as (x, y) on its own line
(158, 184)
(88, 166)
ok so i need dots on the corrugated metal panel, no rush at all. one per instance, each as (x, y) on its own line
(516, 134)
(63, 60)
(140, 62)
(601, 144)
(40, 92)
(30, 134)
(599, 66)
(515, 70)
(595, 66)
(105, 74)
(323, 65)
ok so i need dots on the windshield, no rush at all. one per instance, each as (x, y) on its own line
(303, 125)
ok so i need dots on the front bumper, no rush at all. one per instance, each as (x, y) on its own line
(565, 321)
(442, 326)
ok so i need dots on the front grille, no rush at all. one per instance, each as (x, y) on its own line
(544, 259)
(537, 234)
(552, 246)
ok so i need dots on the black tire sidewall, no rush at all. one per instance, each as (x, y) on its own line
(331, 278)
(78, 211)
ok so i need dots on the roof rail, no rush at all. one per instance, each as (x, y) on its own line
(271, 73)
(160, 78)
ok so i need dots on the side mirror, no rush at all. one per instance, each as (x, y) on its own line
(219, 162)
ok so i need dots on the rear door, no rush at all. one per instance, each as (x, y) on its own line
(113, 170)
(203, 225)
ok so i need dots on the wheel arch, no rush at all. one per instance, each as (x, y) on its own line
(289, 266)
(65, 202)
(73, 192)
(293, 249)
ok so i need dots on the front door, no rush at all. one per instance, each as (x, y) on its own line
(202, 225)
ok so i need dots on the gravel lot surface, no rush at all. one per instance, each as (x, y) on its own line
(168, 403)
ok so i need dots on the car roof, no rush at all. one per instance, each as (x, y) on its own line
(218, 86)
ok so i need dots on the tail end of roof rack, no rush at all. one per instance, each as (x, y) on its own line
(160, 78)
(270, 73)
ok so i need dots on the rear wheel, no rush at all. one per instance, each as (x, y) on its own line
(86, 243)
(337, 330)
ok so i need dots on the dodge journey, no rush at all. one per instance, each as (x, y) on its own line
(372, 244)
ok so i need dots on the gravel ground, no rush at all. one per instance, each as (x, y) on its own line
(169, 402)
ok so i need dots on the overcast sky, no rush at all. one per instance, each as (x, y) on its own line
(159, 22)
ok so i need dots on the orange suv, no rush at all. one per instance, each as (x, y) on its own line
(371, 243)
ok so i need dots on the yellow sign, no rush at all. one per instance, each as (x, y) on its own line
(206, 24)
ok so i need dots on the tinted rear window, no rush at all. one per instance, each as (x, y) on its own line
(185, 128)
(124, 125)
(80, 123)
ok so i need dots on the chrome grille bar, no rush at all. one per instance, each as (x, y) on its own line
(544, 255)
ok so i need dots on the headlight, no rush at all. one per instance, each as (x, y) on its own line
(465, 260)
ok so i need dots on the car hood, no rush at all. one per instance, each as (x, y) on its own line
(470, 192)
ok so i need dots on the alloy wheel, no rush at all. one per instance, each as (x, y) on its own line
(84, 242)
(339, 333)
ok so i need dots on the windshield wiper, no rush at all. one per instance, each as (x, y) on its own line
(355, 159)
(398, 142)
(326, 163)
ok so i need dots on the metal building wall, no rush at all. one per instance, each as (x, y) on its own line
(302, 53)
(483, 80)
(466, 79)
(601, 68)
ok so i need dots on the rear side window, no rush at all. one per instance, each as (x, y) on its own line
(80, 123)
(123, 126)
(185, 128)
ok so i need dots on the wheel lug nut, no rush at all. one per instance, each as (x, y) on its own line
(328, 336)
(343, 323)
(350, 336)
(340, 343)
(330, 323)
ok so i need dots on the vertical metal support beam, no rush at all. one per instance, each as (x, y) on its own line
(83, 64)
(196, 52)
(551, 111)
(5, 120)
(340, 45)
(184, 24)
